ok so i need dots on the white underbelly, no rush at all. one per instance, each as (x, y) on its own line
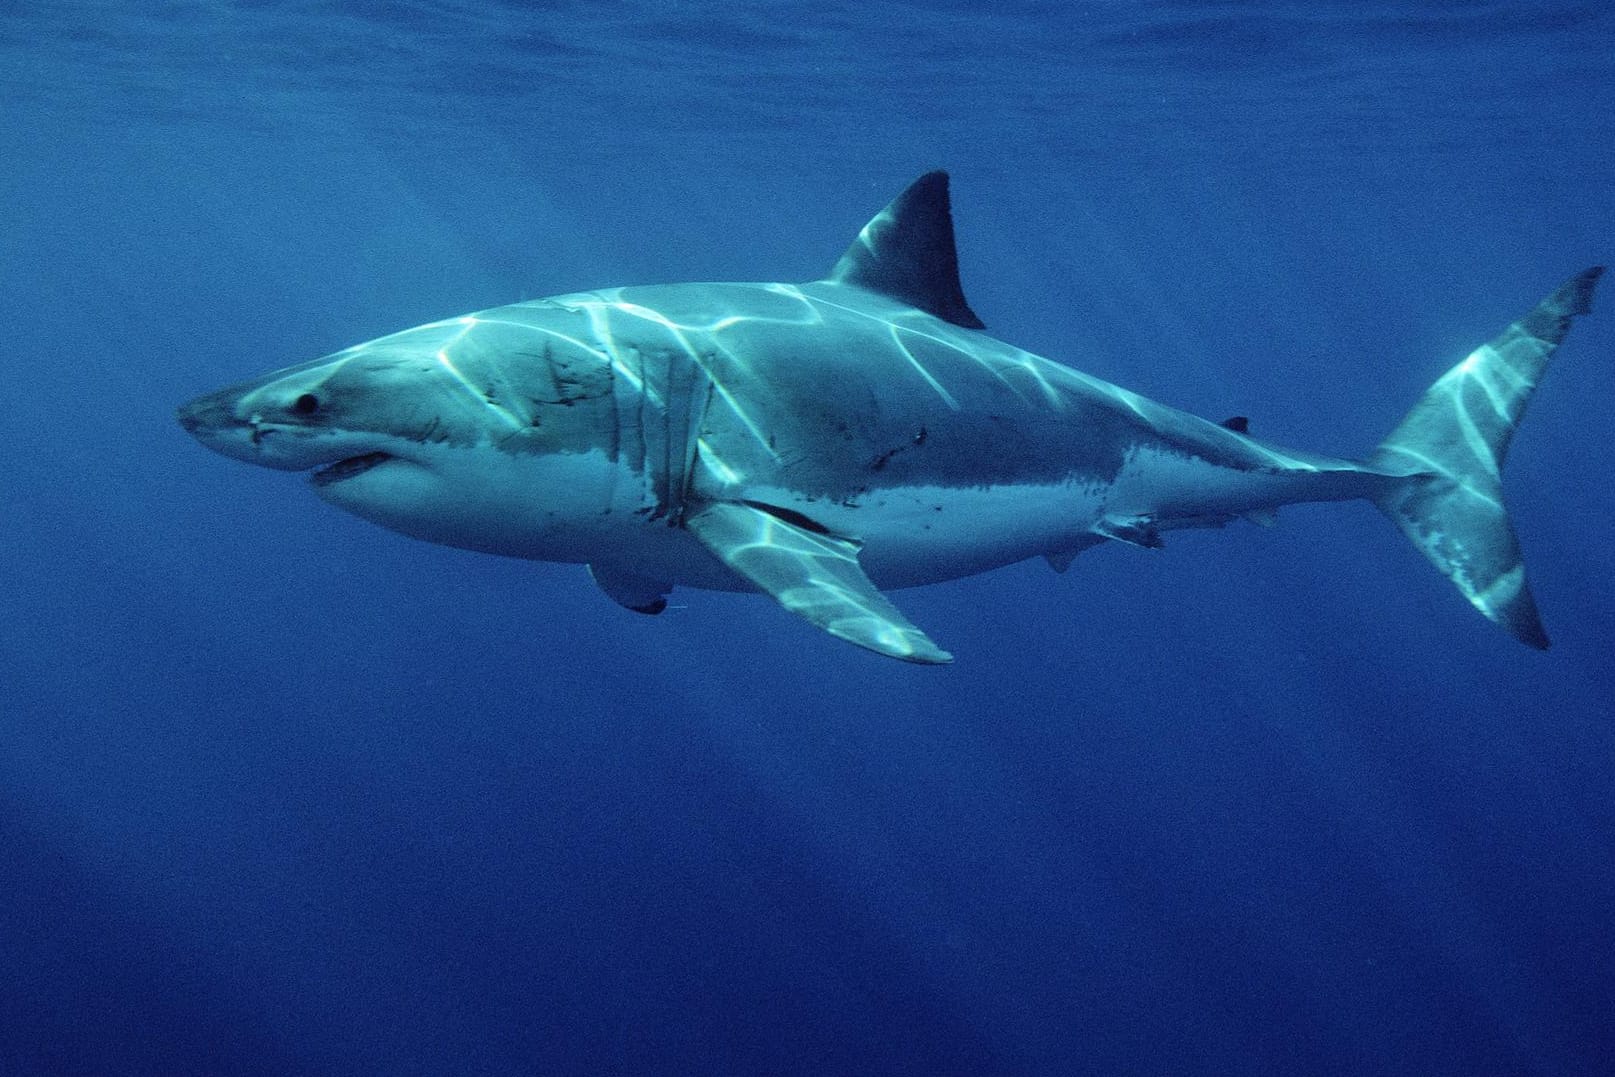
(584, 507)
(924, 534)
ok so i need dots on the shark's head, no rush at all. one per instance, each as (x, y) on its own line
(412, 430)
(339, 418)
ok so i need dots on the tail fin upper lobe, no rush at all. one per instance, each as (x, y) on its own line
(1451, 448)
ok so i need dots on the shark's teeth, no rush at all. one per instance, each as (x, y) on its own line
(346, 469)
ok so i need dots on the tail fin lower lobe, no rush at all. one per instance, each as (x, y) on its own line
(1451, 448)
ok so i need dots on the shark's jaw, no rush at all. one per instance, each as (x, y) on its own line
(330, 456)
(372, 474)
(347, 467)
(334, 459)
(237, 422)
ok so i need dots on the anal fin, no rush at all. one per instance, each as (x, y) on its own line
(814, 575)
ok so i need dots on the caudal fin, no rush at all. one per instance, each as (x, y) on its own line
(1451, 447)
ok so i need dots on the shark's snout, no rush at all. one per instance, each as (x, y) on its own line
(215, 411)
(217, 420)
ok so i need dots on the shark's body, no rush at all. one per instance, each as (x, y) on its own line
(826, 441)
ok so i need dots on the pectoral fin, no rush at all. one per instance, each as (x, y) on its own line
(814, 575)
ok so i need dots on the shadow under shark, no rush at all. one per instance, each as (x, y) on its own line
(823, 442)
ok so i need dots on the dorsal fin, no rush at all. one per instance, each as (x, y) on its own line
(907, 253)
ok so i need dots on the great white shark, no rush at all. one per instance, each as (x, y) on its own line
(829, 441)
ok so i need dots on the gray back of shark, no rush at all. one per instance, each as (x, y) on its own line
(824, 442)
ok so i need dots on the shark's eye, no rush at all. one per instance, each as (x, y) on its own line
(307, 404)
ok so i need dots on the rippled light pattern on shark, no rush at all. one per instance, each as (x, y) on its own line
(824, 442)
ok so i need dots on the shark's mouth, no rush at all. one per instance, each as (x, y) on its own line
(347, 469)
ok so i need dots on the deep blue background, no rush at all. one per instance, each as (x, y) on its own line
(284, 793)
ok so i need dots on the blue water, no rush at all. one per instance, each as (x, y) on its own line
(283, 793)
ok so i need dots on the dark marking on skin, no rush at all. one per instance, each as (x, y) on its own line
(885, 458)
(571, 377)
(572, 388)
(514, 436)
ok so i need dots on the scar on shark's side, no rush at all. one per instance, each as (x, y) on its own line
(829, 441)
